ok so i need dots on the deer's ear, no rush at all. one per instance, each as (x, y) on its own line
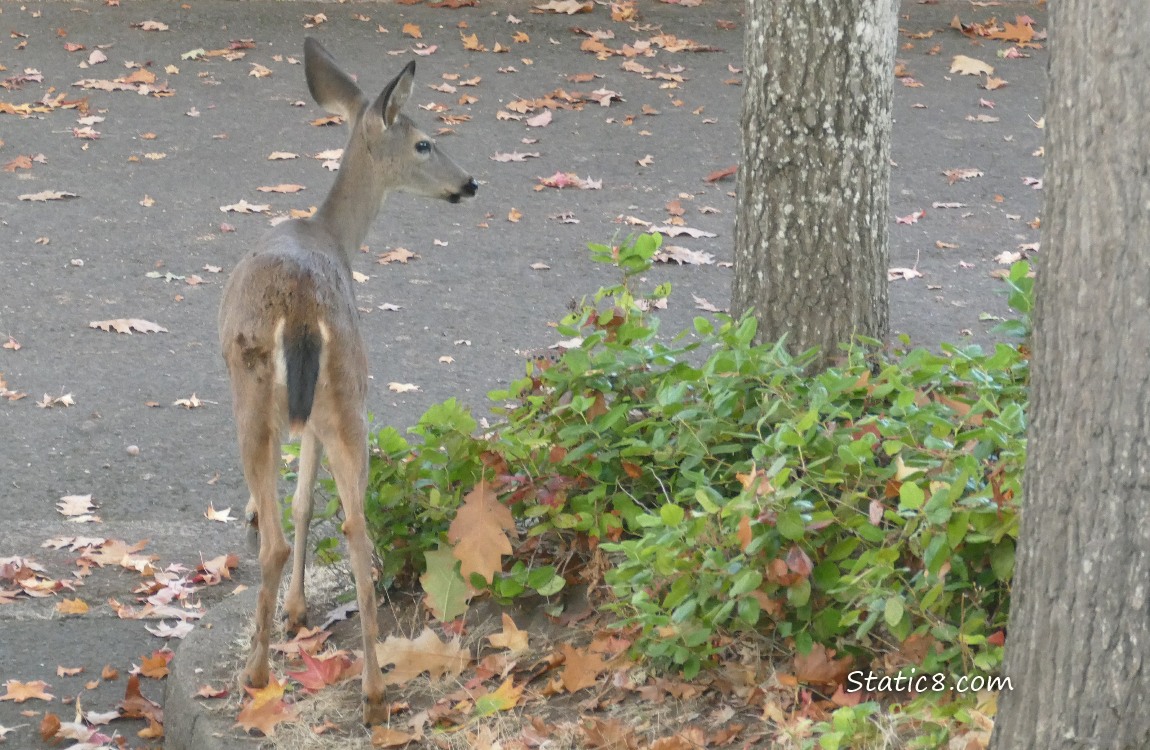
(331, 88)
(394, 95)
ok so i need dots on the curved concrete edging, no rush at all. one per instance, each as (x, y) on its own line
(192, 723)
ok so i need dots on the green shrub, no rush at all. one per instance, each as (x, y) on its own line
(737, 491)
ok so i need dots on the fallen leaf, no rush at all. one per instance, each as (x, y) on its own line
(962, 173)
(911, 218)
(48, 195)
(677, 231)
(445, 592)
(515, 156)
(281, 188)
(243, 207)
(223, 516)
(570, 7)
(412, 30)
(266, 708)
(72, 607)
(399, 254)
(969, 66)
(396, 387)
(511, 638)
(127, 325)
(427, 653)
(541, 120)
(720, 174)
(384, 736)
(581, 669)
(702, 304)
(480, 533)
(321, 671)
(75, 505)
(18, 692)
(895, 274)
(503, 698)
(820, 667)
(682, 255)
(150, 26)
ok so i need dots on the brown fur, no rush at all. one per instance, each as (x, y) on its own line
(289, 333)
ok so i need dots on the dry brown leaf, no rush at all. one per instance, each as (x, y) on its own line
(570, 7)
(127, 325)
(969, 66)
(400, 254)
(75, 606)
(47, 195)
(426, 653)
(580, 668)
(683, 255)
(480, 533)
(18, 692)
(511, 638)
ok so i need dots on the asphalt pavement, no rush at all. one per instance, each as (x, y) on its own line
(178, 121)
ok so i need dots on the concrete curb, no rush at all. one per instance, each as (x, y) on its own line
(208, 656)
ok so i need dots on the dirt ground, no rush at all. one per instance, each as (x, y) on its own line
(145, 237)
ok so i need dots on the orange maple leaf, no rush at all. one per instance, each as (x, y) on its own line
(156, 665)
(512, 638)
(18, 692)
(266, 708)
(1014, 32)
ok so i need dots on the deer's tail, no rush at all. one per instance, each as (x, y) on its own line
(302, 348)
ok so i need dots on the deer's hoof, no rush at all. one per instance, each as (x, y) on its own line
(375, 711)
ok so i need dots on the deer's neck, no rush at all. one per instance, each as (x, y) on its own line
(353, 203)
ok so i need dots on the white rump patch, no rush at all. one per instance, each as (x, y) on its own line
(280, 357)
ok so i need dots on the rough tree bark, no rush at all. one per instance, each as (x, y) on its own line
(813, 209)
(1078, 647)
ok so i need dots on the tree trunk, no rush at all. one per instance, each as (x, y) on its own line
(813, 208)
(1078, 647)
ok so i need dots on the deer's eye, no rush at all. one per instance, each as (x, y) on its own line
(423, 147)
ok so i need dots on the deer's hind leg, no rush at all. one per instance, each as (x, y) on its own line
(259, 438)
(310, 452)
(345, 439)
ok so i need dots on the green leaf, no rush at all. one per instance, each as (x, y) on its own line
(671, 514)
(445, 588)
(910, 496)
(893, 611)
(790, 524)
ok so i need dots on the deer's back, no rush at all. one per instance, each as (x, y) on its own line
(293, 280)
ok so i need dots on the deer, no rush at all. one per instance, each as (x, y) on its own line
(290, 337)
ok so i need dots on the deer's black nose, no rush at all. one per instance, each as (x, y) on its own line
(470, 187)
